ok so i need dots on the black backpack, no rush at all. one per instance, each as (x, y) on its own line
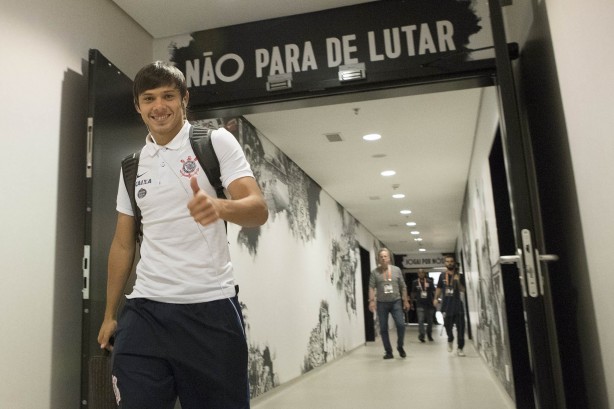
(200, 139)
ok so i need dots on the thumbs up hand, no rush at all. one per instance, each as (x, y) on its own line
(194, 185)
(203, 208)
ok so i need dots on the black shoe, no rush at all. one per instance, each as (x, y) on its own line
(388, 355)
(430, 338)
(421, 339)
(401, 352)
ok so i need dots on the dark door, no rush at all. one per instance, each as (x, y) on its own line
(114, 130)
(365, 265)
(528, 235)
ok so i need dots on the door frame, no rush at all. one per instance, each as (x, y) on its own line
(546, 371)
(524, 200)
(528, 232)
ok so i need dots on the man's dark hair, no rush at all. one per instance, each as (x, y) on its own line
(158, 74)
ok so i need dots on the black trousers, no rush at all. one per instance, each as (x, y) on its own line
(449, 320)
(194, 352)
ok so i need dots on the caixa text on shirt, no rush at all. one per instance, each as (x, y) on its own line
(143, 182)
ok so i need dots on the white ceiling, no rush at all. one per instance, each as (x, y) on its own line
(427, 139)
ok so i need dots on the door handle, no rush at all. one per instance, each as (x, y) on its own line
(518, 260)
(544, 258)
(509, 259)
(547, 257)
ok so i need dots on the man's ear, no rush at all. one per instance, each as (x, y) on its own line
(137, 108)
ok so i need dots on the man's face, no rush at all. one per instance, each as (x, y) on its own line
(162, 111)
(421, 273)
(450, 263)
(384, 257)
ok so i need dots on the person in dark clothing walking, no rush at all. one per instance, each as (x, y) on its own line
(449, 288)
(422, 292)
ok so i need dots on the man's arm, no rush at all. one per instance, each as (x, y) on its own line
(437, 295)
(121, 258)
(414, 290)
(406, 299)
(404, 295)
(246, 207)
(371, 299)
(372, 292)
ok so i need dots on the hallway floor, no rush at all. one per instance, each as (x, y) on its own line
(430, 377)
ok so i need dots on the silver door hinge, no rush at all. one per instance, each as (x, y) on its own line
(86, 272)
(90, 143)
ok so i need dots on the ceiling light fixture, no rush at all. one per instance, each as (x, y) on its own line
(405, 211)
(410, 223)
(388, 173)
(421, 249)
(398, 196)
(415, 232)
(418, 239)
(372, 137)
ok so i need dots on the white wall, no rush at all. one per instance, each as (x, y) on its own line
(43, 71)
(581, 32)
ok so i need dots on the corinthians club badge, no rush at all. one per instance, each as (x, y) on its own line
(190, 167)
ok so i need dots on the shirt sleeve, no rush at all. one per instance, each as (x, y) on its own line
(123, 200)
(372, 281)
(233, 164)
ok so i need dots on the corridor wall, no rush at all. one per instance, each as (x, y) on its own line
(43, 71)
(300, 273)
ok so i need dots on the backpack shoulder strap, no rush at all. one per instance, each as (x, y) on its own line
(200, 139)
(130, 166)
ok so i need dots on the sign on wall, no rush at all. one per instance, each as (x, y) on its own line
(365, 44)
(420, 260)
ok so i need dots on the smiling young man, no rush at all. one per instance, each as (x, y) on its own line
(180, 333)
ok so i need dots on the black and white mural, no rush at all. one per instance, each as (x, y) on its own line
(299, 274)
(483, 277)
(322, 346)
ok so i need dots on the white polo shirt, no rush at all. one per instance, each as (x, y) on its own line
(181, 261)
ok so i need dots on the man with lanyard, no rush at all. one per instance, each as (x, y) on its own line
(422, 291)
(452, 305)
(388, 283)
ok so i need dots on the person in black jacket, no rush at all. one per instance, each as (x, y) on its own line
(422, 292)
(449, 289)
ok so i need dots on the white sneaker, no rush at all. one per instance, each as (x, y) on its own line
(450, 347)
(460, 352)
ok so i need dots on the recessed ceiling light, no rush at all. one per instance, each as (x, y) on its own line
(405, 211)
(388, 173)
(415, 232)
(372, 137)
(398, 196)
(410, 223)
(418, 239)
(421, 250)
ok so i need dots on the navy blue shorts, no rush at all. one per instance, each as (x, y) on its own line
(194, 352)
